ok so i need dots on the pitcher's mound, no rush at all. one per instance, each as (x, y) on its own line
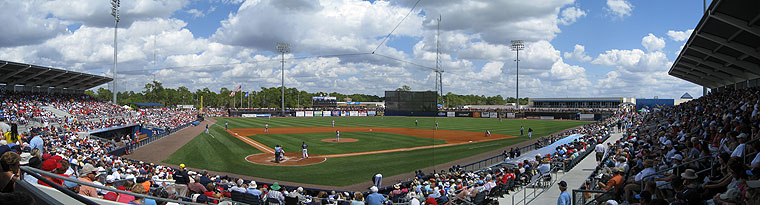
(342, 140)
(291, 159)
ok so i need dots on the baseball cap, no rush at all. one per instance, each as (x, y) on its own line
(562, 184)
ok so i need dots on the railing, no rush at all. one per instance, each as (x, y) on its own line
(36, 173)
(535, 186)
(579, 197)
(491, 161)
(572, 163)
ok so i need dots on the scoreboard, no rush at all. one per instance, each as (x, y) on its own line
(319, 101)
(420, 101)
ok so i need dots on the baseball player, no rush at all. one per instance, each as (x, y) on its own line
(266, 127)
(415, 123)
(305, 154)
(488, 133)
(225, 125)
(521, 130)
(530, 133)
(333, 123)
(206, 128)
(337, 135)
(436, 125)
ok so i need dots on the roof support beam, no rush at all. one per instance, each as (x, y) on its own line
(733, 45)
(56, 84)
(708, 71)
(48, 78)
(699, 79)
(718, 67)
(692, 79)
(738, 23)
(23, 80)
(732, 60)
(68, 85)
(14, 73)
(754, 20)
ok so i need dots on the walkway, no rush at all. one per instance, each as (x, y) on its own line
(574, 178)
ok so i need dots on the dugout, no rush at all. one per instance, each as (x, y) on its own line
(117, 132)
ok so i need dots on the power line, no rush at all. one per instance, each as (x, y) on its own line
(397, 25)
(404, 61)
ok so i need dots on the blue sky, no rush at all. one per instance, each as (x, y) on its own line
(573, 48)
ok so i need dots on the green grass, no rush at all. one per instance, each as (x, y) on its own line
(368, 141)
(226, 153)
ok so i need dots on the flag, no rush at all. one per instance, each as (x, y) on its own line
(232, 94)
(246, 94)
(238, 88)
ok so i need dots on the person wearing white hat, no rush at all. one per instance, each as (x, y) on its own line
(374, 198)
(252, 189)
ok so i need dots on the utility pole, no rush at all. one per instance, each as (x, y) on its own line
(438, 69)
(283, 48)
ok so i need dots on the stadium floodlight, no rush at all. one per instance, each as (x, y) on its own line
(283, 48)
(517, 45)
(115, 13)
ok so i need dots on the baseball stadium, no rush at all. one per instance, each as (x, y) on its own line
(380, 102)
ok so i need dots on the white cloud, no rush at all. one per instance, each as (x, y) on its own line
(579, 54)
(652, 42)
(97, 13)
(24, 24)
(619, 8)
(196, 13)
(680, 35)
(570, 14)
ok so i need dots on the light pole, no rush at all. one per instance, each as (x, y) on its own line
(283, 48)
(115, 13)
(517, 45)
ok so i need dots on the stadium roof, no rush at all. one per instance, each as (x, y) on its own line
(13, 73)
(723, 49)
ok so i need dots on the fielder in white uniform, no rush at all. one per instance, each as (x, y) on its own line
(266, 127)
(305, 154)
(333, 123)
(337, 135)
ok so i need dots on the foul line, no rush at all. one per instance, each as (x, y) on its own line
(252, 142)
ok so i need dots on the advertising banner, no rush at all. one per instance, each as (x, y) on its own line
(335, 113)
(317, 113)
(510, 115)
(256, 115)
(464, 114)
(309, 114)
(344, 113)
(354, 113)
(653, 103)
(363, 113)
(494, 115)
(451, 114)
(326, 113)
(371, 113)
(381, 113)
(441, 114)
(476, 114)
(299, 113)
(485, 114)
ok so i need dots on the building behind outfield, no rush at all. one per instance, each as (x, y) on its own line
(611, 102)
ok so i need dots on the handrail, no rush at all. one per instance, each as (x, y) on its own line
(66, 191)
(36, 173)
(583, 199)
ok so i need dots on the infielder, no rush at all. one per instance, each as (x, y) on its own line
(206, 128)
(337, 135)
(530, 133)
(225, 125)
(436, 125)
(266, 127)
(415, 123)
(305, 154)
(522, 129)
(333, 123)
(488, 133)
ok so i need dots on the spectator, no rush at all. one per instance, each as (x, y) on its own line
(374, 198)
(275, 196)
(10, 162)
(564, 196)
(87, 174)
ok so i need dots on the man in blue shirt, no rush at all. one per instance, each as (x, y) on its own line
(36, 142)
(374, 198)
(252, 189)
(564, 197)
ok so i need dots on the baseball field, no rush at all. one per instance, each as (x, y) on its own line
(368, 145)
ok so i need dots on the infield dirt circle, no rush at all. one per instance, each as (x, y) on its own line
(452, 137)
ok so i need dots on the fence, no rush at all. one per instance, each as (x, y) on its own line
(491, 161)
(538, 187)
(579, 196)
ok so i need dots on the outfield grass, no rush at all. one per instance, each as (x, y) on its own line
(368, 141)
(227, 153)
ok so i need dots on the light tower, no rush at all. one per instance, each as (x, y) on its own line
(438, 69)
(283, 48)
(115, 13)
(517, 45)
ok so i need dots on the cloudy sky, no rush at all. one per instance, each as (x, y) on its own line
(607, 48)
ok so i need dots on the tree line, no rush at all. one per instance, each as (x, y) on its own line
(155, 92)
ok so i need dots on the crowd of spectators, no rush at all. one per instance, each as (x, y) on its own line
(700, 152)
